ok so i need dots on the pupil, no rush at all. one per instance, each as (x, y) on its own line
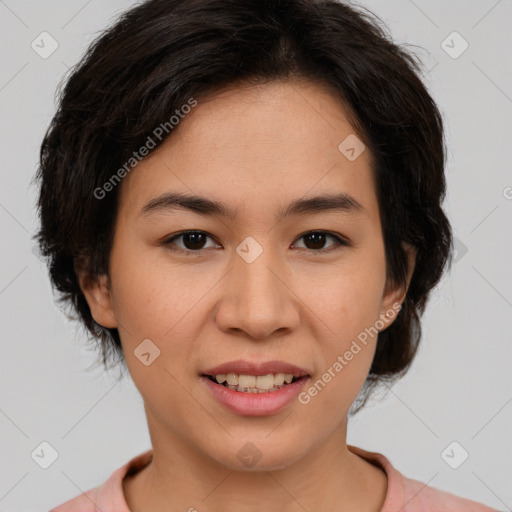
(193, 240)
(318, 240)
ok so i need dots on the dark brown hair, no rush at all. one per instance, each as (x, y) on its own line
(161, 53)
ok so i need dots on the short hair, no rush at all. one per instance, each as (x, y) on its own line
(161, 53)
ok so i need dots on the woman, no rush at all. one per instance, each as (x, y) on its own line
(242, 201)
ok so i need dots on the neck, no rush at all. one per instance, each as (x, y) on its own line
(328, 478)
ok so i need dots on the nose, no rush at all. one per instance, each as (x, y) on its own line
(257, 299)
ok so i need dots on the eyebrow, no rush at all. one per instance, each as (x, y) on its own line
(323, 203)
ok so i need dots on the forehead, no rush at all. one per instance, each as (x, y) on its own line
(259, 144)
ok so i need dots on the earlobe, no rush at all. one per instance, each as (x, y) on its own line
(411, 252)
(395, 296)
(97, 293)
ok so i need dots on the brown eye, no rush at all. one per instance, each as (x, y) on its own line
(194, 241)
(315, 241)
(191, 241)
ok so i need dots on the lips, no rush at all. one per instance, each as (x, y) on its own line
(242, 367)
(247, 401)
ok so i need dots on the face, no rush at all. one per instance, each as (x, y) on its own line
(278, 270)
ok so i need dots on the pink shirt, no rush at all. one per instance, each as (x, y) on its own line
(403, 494)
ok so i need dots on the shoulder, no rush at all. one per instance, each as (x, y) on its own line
(108, 496)
(423, 497)
(84, 502)
(408, 495)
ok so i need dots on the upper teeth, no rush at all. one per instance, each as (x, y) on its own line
(252, 381)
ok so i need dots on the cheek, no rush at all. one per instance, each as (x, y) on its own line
(156, 300)
(348, 304)
(348, 312)
(346, 297)
(161, 303)
(152, 297)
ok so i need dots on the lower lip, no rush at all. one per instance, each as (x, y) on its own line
(255, 404)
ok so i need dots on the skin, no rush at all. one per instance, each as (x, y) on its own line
(256, 149)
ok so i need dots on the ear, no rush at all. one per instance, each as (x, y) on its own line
(395, 295)
(96, 289)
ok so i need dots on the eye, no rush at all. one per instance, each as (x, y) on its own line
(191, 241)
(315, 240)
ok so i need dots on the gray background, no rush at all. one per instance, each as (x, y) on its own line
(459, 388)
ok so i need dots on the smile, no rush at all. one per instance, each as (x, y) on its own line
(254, 383)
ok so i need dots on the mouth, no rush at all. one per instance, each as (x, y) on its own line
(245, 383)
(255, 389)
(262, 378)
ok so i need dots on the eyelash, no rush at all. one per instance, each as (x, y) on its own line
(168, 242)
